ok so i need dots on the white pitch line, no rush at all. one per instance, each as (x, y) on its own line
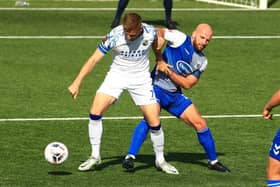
(100, 37)
(127, 118)
(138, 9)
(84, 0)
(51, 37)
(246, 37)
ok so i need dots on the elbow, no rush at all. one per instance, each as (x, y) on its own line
(187, 86)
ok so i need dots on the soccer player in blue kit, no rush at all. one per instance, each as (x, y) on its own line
(273, 167)
(184, 65)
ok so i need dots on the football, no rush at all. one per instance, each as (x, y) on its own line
(56, 153)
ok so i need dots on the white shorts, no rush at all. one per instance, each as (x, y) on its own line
(139, 86)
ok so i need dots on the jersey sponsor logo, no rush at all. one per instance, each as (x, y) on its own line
(133, 53)
(276, 149)
(183, 67)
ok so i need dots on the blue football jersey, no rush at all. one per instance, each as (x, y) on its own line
(182, 57)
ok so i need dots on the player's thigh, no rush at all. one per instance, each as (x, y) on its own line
(273, 169)
(151, 113)
(109, 91)
(101, 102)
(192, 116)
(142, 92)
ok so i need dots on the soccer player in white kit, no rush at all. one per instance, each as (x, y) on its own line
(129, 71)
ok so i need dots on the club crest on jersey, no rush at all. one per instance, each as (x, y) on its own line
(145, 42)
(183, 68)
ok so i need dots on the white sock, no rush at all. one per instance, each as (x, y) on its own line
(213, 162)
(157, 137)
(95, 130)
(130, 156)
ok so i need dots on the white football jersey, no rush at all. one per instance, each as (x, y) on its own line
(129, 56)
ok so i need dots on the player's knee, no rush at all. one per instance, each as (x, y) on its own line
(203, 123)
(199, 124)
(153, 121)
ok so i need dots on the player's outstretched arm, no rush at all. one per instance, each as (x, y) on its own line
(273, 102)
(86, 69)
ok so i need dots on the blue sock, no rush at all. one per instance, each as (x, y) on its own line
(168, 8)
(273, 183)
(206, 140)
(138, 138)
(121, 6)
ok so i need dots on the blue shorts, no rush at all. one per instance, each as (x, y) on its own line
(275, 147)
(173, 102)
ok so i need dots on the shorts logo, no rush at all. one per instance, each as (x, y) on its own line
(276, 149)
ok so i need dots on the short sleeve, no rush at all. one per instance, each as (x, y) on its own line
(174, 38)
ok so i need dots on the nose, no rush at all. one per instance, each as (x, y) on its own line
(205, 42)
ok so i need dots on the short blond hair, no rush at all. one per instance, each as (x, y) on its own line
(132, 21)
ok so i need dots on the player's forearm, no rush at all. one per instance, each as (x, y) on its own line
(274, 101)
(161, 40)
(185, 82)
(157, 51)
(85, 70)
(88, 66)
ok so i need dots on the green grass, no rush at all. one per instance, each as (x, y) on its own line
(241, 76)
(113, 4)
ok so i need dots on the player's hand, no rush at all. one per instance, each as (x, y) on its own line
(163, 67)
(267, 114)
(74, 90)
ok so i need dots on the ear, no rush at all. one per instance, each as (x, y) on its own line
(193, 34)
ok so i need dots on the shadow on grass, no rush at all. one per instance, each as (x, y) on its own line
(59, 173)
(149, 160)
(159, 22)
(270, 3)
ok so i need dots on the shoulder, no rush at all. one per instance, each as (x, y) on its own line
(113, 38)
(200, 56)
(175, 38)
(117, 31)
(173, 32)
(200, 61)
(149, 30)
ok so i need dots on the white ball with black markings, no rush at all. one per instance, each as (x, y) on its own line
(56, 153)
